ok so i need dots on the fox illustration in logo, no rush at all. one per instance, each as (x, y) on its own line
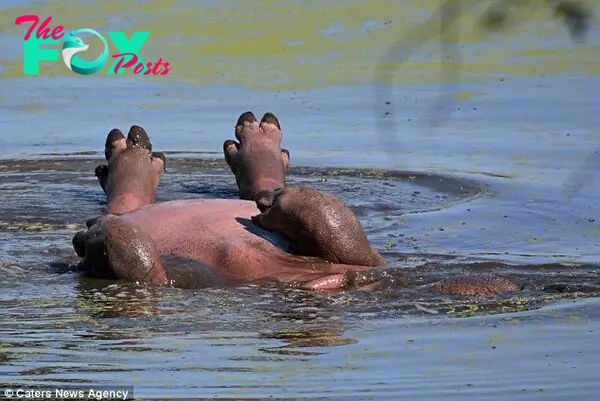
(73, 45)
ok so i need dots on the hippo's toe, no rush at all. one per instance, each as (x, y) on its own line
(161, 156)
(138, 138)
(269, 118)
(265, 199)
(247, 117)
(79, 243)
(115, 142)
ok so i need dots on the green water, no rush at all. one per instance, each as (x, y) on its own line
(300, 45)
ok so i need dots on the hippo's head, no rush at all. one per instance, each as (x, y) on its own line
(257, 161)
(133, 173)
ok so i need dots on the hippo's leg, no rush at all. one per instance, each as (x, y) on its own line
(113, 250)
(480, 285)
(257, 161)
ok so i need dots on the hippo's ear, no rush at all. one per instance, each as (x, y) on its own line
(230, 149)
(285, 154)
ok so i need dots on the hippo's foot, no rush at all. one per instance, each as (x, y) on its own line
(480, 285)
(113, 250)
(257, 160)
(132, 172)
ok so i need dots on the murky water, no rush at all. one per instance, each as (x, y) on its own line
(507, 184)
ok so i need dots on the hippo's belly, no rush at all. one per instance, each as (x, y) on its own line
(203, 229)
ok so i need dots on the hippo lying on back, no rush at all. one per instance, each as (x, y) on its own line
(231, 240)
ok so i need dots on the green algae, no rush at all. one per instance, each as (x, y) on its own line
(465, 96)
(37, 227)
(282, 45)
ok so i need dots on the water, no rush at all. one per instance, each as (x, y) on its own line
(507, 184)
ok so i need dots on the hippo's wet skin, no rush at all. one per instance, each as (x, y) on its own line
(221, 236)
(135, 171)
(257, 161)
(318, 224)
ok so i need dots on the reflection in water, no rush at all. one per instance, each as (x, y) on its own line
(293, 339)
(103, 299)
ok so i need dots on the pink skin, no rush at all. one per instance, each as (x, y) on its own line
(217, 234)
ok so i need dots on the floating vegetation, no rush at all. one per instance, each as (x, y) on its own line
(39, 227)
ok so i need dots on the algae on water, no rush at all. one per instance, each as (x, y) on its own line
(280, 45)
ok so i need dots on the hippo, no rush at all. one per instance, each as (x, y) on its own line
(222, 241)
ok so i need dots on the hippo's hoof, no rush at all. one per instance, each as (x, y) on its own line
(246, 117)
(138, 138)
(79, 243)
(89, 223)
(269, 118)
(265, 199)
(101, 171)
(161, 156)
(115, 140)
